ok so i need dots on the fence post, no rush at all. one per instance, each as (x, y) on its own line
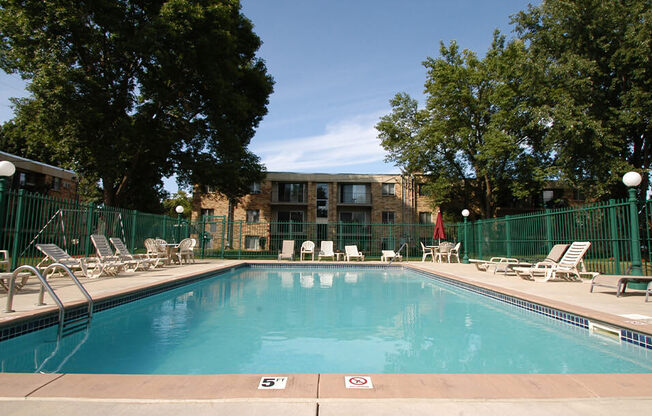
(202, 235)
(17, 227)
(549, 229)
(4, 191)
(89, 229)
(635, 236)
(165, 227)
(134, 223)
(508, 240)
(240, 242)
(614, 235)
(478, 225)
(224, 225)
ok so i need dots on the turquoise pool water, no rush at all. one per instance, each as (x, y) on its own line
(307, 320)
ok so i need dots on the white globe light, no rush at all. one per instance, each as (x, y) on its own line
(632, 179)
(179, 209)
(7, 168)
(465, 213)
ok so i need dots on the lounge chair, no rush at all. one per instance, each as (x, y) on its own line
(287, 250)
(505, 264)
(4, 260)
(566, 269)
(142, 260)
(112, 261)
(352, 253)
(54, 254)
(184, 251)
(496, 262)
(427, 251)
(390, 254)
(326, 250)
(307, 247)
(620, 283)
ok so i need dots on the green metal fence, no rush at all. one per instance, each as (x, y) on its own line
(612, 227)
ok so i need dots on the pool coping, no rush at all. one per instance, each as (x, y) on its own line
(327, 386)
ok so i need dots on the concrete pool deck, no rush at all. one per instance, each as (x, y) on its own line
(325, 394)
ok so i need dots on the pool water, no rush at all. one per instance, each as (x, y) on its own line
(307, 320)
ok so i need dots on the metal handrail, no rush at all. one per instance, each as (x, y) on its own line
(399, 252)
(46, 286)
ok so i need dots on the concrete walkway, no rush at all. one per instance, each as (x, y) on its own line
(325, 394)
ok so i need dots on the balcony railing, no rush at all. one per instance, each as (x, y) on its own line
(289, 198)
(355, 198)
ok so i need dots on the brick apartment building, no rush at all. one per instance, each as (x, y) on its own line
(41, 178)
(323, 202)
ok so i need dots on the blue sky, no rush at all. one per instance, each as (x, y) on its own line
(337, 64)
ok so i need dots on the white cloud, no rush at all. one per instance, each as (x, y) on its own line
(344, 145)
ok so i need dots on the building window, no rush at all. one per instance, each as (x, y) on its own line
(422, 189)
(388, 189)
(291, 192)
(22, 179)
(212, 226)
(254, 188)
(355, 194)
(355, 217)
(425, 218)
(56, 184)
(252, 242)
(208, 189)
(388, 217)
(253, 215)
(322, 200)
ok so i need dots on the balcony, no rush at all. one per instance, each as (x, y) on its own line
(299, 197)
(355, 198)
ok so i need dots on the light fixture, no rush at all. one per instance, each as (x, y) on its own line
(7, 168)
(179, 209)
(631, 179)
(465, 213)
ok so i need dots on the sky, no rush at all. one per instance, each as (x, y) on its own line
(336, 64)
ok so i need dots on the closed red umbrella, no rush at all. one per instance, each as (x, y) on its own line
(439, 233)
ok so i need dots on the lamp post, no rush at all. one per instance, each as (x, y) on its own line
(179, 210)
(465, 214)
(7, 169)
(632, 180)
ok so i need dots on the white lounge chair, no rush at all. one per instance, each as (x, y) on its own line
(427, 251)
(142, 260)
(566, 269)
(287, 250)
(307, 247)
(352, 253)
(326, 250)
(390, 254)
(55, 254)
(112, 263)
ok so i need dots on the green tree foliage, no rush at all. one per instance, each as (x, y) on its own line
(131, 91)
(595, 58)
(476, 131)
(179, 198)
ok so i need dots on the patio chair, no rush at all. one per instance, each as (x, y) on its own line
(142, 260)
(390, 254)
(566, 269)
(184, 251)
(4, 260)
(326, 250)
(443, 251)
(287, 250)
(55, 254)
(455, 252)
(155, 252)
(352, 253)
(307, 247)
(112, 262)
(427, 251)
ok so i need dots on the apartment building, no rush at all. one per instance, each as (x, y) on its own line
(329, 206)
(41, 178)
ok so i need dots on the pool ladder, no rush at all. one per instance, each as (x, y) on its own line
(399, 252)
(67, 325)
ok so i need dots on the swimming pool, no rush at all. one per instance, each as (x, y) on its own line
(321, 320)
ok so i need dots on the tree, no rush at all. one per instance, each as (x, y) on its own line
(476, 138)
(595, 57)
(132, 91)
(178, 198)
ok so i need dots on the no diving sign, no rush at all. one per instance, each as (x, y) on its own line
(358, 382)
